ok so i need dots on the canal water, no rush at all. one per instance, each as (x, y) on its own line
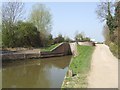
(37, 73)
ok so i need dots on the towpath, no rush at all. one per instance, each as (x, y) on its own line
(104, 69)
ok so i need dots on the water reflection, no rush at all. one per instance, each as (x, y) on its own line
(44, 73)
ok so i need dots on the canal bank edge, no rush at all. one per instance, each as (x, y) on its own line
(78, 79)
(62, 49)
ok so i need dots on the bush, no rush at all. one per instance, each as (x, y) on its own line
(114, 48)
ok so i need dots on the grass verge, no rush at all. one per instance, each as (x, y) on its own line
(80, 67)
(81, 63)
(49, 48)
(115, 49)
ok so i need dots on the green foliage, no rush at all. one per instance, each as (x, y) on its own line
(49, 48)
(8, 36)
(80, 66)
(49, 40)
(110, 21)
(46, 41)
(27, 35)
(86, 39)
(67, 39)
(105, 13)
(115, 37)
(114, 48)
(81, 37)
(111, 32)
(81, 63)
(23, 34)
(41, 18)
(35, 33)
(59, 39)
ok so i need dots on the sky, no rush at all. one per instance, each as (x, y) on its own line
(70, 17)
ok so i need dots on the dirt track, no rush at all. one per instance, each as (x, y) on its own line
(104, 69)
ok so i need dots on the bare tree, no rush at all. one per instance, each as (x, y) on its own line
(12, 12)
(105, 12)
(105, 9)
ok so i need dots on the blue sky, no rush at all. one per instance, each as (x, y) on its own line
(71, 17)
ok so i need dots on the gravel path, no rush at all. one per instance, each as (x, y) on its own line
(104, 69)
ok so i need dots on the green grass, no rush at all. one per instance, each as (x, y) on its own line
(81, 63)
(80, 67)
(50, 48)
(115, 49)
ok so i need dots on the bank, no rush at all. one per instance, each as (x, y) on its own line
(56, 50)
(79, 67)
(61, 49)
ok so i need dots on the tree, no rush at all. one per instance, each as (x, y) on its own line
(11, 13)
(112, 28)
(50, 39)
(59, 39)
(86, 39)
(80, 36)
(117, 31)
(106, 34)
(105, 13)
(41, 17)
(27, 35)
(117, 19)
(67, 39)
(104, 10)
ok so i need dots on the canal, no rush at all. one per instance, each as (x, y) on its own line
(36, 73)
